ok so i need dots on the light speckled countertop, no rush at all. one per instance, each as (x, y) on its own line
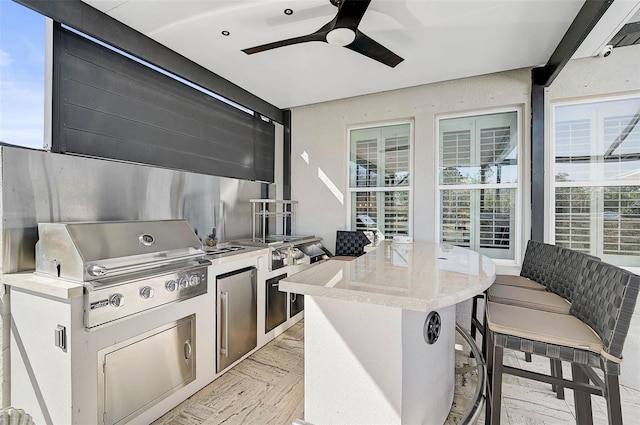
(417, 276)
(246, 252)
(56, 288)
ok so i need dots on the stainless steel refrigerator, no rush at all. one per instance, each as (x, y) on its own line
(236, 315)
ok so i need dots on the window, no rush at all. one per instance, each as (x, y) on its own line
(380, 164)
(22, 76)
(478, 183)
(596, 186)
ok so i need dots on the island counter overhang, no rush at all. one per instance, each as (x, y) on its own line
(366, 357)
(418, 276)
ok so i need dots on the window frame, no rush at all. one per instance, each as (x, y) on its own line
(519, 186)
(48, 85)
(408, 188)
(550, 163)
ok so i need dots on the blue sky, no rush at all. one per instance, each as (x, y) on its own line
(22, 39)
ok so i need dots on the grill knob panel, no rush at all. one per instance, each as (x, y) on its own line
(146, 292)
(171, 286)
(116, 300)
(184, 282)
(194, 280)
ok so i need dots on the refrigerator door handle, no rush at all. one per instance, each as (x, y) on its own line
(224, 350)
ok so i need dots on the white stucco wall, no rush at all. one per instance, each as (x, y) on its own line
(592, 79)
(320, 130)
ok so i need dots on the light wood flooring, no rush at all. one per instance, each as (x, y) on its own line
(268, 388)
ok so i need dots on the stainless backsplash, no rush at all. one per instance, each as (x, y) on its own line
(39, 187)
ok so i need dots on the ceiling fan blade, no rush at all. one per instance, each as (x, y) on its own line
(376, 51)
(350, 13)
(316, 36)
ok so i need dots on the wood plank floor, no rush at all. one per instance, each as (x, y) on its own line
(268, 388)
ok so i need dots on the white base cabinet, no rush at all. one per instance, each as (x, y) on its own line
(41, 373)
(138, 373)
(92, 378)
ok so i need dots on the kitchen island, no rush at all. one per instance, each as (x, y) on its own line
(379, 332)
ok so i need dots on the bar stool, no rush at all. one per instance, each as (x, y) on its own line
(591, 336)
(350, 244)
(538, 268)
(568, 270)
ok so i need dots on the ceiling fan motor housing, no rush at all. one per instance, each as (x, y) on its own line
(343, 31)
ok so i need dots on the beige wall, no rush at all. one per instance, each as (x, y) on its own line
(619, 73)
(321, 131)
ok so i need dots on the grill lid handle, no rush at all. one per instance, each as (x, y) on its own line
(97, 270)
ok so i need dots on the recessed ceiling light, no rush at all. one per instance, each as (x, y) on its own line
(225, 33)
(288, 12)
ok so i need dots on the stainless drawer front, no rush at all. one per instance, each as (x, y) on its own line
(142, 371)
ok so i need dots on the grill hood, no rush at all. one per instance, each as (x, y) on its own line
(86, 251)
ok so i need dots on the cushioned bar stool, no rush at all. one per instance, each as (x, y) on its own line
(538, 267)
(567, 274)
(568, 268)
(350, 244)
(591, 336)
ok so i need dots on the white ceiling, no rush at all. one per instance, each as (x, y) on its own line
(439, 40)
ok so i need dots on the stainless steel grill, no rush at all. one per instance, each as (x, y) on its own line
(126, 267)
(289, 250)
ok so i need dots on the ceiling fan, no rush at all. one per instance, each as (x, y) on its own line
(343, 31)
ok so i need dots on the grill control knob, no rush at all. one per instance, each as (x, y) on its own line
(116, 300)
(184, 283)
(194, 280)
(171, 285)
(146, 292)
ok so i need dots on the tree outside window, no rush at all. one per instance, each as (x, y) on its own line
(478, 182)
(380, 161)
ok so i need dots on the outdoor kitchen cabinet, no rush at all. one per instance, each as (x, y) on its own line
(59, 384)
(138, 373)
(275, 303)
(237, 311)
(34, 355)
(56, 363)
(260, 260)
